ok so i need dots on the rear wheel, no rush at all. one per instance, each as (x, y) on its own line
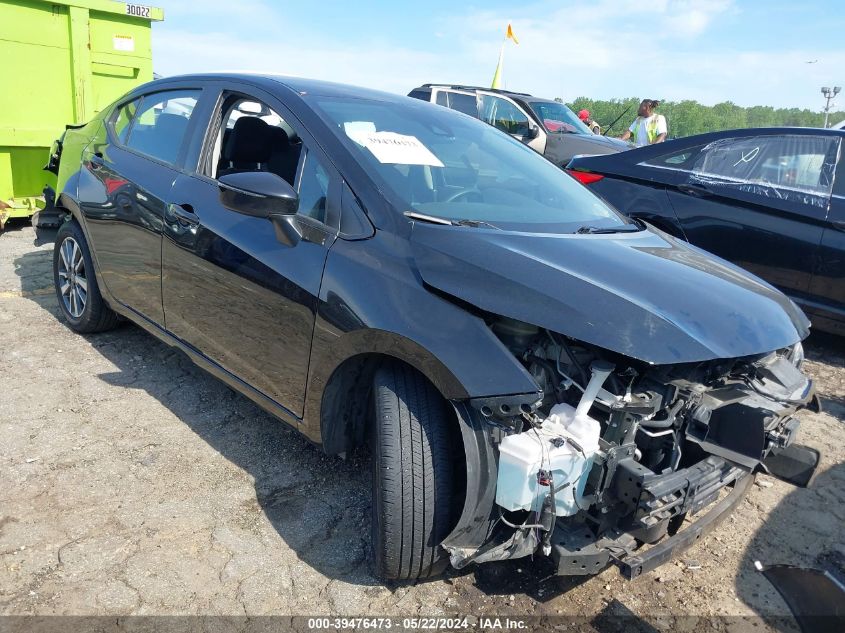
(412, 475)
(76, 286)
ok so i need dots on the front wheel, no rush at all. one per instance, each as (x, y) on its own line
(79, 296)
(413, 484)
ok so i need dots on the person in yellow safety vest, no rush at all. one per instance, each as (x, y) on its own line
(648, 128)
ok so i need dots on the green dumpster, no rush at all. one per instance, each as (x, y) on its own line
(62, 61)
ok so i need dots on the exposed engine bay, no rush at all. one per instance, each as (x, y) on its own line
(617, 452)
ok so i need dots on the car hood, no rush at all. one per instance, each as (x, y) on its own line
(608, 141)
(644, 294)
(560, 148)
(604, 144)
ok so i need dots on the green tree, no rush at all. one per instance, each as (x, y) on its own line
(685, 118)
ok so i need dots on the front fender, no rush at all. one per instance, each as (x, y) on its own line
(477, 519)
(372, 301)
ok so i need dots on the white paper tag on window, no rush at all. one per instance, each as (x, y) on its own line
(390, 147)
(357, 128)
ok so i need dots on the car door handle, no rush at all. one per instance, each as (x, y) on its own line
(183, 214)
(695, 190)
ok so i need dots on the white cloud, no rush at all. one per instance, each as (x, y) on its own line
(690, 18)
(385, 67)
(608, 48)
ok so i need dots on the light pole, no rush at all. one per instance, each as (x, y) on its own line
(828, 95)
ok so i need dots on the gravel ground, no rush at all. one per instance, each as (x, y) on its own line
(133, 483)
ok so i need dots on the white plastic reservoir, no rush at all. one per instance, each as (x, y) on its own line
(523, 455)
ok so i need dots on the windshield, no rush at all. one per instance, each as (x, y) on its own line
(446, 165)
(556, 117)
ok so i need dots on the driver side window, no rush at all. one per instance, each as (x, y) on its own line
(253, 137)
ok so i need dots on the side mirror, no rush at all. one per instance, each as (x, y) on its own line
(260, 194)
(532, 133)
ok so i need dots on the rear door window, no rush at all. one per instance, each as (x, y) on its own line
(160, 124)
(680, 160)
(460, 101)
(425, 95)
(123, 119)
(787, 167)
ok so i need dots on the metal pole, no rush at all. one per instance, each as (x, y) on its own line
(829, 94)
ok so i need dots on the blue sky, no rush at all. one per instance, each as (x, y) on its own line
(748, 52)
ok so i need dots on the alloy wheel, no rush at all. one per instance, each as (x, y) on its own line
(72, 279)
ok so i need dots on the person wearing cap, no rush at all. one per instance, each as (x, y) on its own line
(649, 127)
(584, 115)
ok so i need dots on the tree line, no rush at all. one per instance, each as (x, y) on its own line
(685, 118)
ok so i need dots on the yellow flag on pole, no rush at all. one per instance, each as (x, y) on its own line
(497, 76)
(510, 35)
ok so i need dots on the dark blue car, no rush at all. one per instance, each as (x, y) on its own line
(770, 200)
(531, 370)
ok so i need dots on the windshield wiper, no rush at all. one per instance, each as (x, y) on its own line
(476, 224)
(426, 218)
(595, 230)
(435, 220)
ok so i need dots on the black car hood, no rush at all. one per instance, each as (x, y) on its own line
(644, 294)
(560, 148)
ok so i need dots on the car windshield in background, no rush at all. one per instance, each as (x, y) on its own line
(556, 117)
(446, 165)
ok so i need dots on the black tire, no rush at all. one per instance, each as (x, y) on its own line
(412, 509)
(94, 315)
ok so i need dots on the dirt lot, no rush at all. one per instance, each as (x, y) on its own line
(133, 483)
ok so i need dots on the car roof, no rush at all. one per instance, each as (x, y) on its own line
(520, 97)
(706, 138)
(301, 85)
(463, 87)
(756, 131)
(709, 137)
(531, 99)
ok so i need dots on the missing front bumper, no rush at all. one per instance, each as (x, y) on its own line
(640, 563)
(645, 508)
(576, 552)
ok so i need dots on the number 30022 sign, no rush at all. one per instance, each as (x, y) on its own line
(137, 10)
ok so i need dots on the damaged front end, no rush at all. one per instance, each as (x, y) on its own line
(616, 453)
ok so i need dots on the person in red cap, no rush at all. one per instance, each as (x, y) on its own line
(584, 115)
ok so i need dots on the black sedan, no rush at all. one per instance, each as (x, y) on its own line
(529, 367)
(770, 200)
